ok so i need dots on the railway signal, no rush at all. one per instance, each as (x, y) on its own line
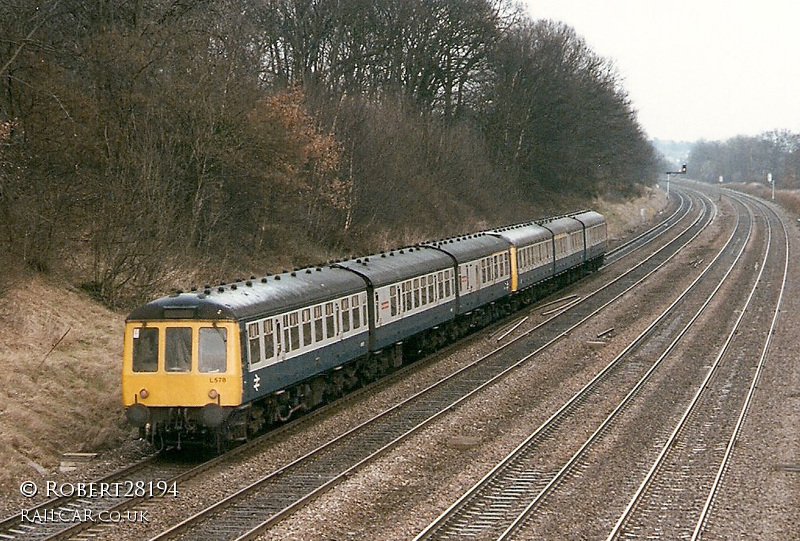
(681, 172)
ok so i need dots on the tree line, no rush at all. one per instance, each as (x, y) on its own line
(749, 159)
(146, 141)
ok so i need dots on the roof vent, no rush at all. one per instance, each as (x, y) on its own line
(308, 271)
(233, 286)
(264, 280)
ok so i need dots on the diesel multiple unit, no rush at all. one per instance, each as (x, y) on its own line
(221, 363)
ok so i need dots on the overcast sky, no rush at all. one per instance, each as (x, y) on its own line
(696, 69)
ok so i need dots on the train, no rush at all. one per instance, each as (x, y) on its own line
(221, 364)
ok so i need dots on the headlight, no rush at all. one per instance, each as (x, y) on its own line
(213, 394)
(143, 393)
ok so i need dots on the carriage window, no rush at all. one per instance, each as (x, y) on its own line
(255, 343)
(393, 299)
(345, 315)
(145, 350)
(306, 315)
(440, 279)
(318, 334)
(431, 288)
(424, 289)
(211, 349)
(269, 340)
(356, 313)
(294, 331)
(447, 283)
(329, 320)
(178, 351)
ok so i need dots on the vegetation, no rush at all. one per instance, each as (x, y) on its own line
(749, 159)
(150, 142)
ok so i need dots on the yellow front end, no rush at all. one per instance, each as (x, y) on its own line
(184, 364)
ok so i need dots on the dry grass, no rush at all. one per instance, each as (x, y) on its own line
(625, 217)
(788, 199)
(57, 399)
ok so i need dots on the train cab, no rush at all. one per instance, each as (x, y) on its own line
(180, 369)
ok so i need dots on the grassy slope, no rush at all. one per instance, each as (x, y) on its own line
(62, 402)
(68, 400)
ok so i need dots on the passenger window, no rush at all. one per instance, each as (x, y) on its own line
(356, 313)
(178, 351)
(345, 315)
(393, 299)
(329, 320)
(253, 336)
(306, 314)
(212, 352)
(145, 350)
(318, 334)
(294, 331)
(287, 341)
(269, 340)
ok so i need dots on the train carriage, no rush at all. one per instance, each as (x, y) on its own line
(531, 253)
(595, 235)
(484, 269)
(191, 359)
(568, 243)
(411, 290)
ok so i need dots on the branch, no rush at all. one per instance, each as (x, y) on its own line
(25, 41)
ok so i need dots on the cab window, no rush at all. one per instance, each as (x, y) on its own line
(145, 350)
(178, 349)
(211, 351)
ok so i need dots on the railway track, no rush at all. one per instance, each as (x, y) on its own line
(697, 454)
(500, 503)
(528, 496)
(244, 514)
